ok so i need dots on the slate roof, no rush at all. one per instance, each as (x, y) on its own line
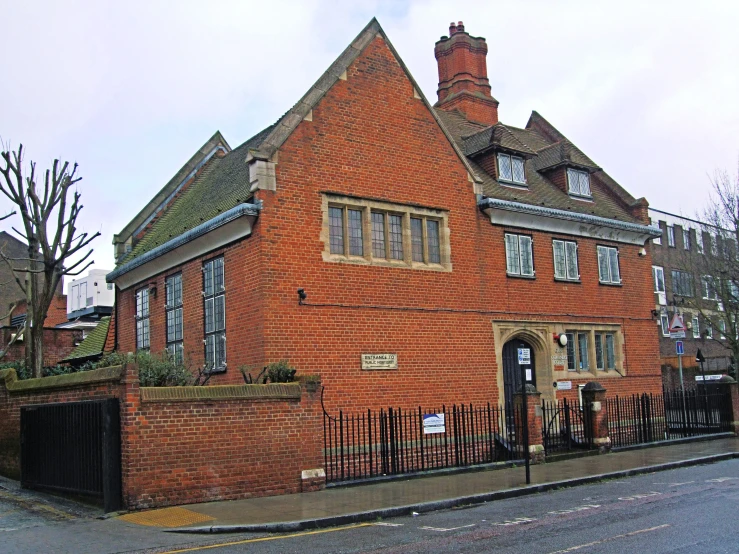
(222, 184)
(93, 343)
(609, 200)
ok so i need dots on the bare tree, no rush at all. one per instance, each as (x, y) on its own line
(716, 267)
(50, 230)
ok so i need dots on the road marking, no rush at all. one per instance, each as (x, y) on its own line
(721, 479)
(263, 539)
(385, 524)
(449, 529)
(640, 496)
(676, 484)
(609, 539)
(573, 510)
(517, 521)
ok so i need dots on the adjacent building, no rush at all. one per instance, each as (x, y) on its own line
(411, 254)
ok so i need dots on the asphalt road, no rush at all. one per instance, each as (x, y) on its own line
(690, 510)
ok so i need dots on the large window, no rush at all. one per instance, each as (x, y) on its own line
(565, 260)
(686, 238)
(577, 351)
(682, 283)
(608, 270)
(510, 168)
(362, 231)
(708, 287)
(142, 319)
(173, 309)
(579, 182)
(215, 314)
(519, 255)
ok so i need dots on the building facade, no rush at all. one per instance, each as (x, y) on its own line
(410, 254)
(680, 286)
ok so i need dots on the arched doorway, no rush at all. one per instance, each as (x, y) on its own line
(512, 368)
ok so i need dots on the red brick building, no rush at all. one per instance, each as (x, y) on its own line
(436, 237)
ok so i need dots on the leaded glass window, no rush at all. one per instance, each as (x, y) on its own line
(511, 168)
(432, 230)
(417, 239)
(571, 356)
(142, 319)
(599, 361)
(565, 260)
(579, 182)
(610, 351)
(378, 235)
(608, 270)
(214, 314)
(519, 255)
(336, 230)
(173, 309)
(395, 227)
(582, 350)
(356, 241)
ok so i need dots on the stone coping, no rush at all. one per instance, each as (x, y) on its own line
(80, 378)
(272, 391)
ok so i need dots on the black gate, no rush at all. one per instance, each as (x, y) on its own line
(567, 426)
(74, 448)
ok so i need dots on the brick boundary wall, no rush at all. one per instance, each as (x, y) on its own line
(181, 445)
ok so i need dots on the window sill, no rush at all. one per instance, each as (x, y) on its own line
(382, 262)
(513, 184)
(608, 284)
(582, 197)
(515, 276)
(216, 370)
(564, 280)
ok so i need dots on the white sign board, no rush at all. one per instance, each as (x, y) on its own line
(528, 375)
(708, 377)
(524, 356)
(564, 385)
(433, 423)
(379, 361)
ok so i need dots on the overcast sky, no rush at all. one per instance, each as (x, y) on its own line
(130, 90)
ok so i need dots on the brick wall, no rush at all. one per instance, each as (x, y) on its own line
(370, 138)
(58, 344)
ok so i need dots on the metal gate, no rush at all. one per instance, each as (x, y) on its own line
(567, 426)
(73, 447)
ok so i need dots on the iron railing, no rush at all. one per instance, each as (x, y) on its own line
(647, 418)
(395, 441)
(567, 426)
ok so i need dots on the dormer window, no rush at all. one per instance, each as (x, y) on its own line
(579, 182)
(510, 169)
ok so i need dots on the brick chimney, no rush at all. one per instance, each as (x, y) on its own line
(463, 76)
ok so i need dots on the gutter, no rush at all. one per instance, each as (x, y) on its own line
(188, 236)
(530, 209)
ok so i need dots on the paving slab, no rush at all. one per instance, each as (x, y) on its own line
(368, 502)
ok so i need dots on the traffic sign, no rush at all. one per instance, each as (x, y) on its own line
(677, 327)
(679, 347)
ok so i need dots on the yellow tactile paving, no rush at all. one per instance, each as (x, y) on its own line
(166, 517)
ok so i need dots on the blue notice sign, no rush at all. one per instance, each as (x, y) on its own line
(679, 347)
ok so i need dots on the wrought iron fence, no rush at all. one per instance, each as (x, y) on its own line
(396, 441)
(650, 418)
(566, 426)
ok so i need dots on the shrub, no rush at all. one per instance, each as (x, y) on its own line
(161, 371)
(280, 372)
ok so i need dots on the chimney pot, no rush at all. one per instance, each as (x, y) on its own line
(452, 28)
(460, 27)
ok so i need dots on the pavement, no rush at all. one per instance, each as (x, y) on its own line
(411, 496)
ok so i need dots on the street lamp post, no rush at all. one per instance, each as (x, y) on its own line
(700, 358)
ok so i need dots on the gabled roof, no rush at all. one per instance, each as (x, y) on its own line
(93, 343)
(160, 200)
(562, 153)
(496, 136)
(222, 184)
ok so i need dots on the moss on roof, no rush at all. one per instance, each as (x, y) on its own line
(222, 184)
(93, 343)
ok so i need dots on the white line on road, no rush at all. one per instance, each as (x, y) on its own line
(573, 510)
(640, 496)
(517, 521)
(385, 524)
(442, 529)
(676, 484)
(721, 479)
(594, 543)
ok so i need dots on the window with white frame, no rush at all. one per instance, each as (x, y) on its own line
(577, 351)
(658, 273)
(686, 238)
(696, 327)
(708, 287)
(364, 231)
(605, 351)
(519, 255)
(142, 319)
(173, 309)
(578, 182)
(671, 236)
(709, 329)
(565, 260)
(655, 224)
(214, 310)
(664, 320)
(511, 169)
(608, 270)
